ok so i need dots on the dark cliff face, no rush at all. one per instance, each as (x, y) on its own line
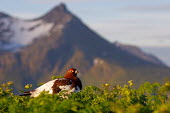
(70, 43)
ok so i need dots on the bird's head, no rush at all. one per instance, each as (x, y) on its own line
(71, 73)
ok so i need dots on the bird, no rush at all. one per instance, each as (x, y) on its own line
(69, 83)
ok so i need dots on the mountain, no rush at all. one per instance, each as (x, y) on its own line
(139, 53)
(31, 51)
(161, 52)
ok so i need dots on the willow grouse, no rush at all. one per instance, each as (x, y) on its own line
(70, 83)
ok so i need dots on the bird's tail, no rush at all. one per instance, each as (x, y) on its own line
(25, 94)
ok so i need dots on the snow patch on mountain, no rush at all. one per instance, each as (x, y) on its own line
(27, 31)
(15, 33)
(98, 61)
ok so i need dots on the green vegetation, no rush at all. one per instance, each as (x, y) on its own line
(148, 98)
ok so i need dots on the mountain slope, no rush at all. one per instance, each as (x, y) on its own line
(58, 40)
(139, 53)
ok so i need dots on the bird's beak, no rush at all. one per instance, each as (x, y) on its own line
(76, 72)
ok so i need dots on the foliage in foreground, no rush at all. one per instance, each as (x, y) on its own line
(147, 98)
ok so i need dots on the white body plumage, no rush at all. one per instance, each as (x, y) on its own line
(48, 87)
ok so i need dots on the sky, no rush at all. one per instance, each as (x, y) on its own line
(145, 23)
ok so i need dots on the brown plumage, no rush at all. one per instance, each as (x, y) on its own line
(70, 83)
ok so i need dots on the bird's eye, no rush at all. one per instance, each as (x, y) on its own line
(71, 71)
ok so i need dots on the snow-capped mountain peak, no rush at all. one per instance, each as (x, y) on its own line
(16, 33)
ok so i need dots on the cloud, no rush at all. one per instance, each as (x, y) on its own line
(150, 30)
(25, 15)
(160, 7)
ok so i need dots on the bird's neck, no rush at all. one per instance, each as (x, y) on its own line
(69, 76)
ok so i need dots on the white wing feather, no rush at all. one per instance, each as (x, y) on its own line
(45, 87)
